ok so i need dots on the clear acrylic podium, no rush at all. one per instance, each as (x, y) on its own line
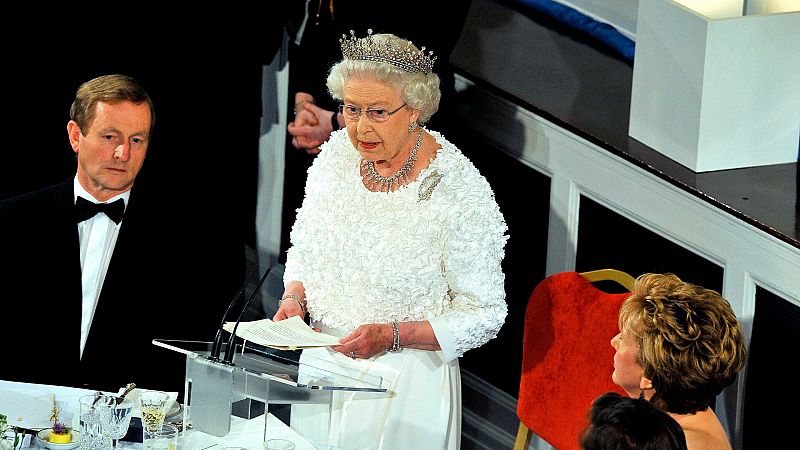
(257, 374)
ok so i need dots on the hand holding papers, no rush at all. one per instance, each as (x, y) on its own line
(288, 334)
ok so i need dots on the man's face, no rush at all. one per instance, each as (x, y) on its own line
(111, 152)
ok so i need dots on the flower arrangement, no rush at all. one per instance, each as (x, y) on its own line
(60, 428)
(60, 434)
(9, 438)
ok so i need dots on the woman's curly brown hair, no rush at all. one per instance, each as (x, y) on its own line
(689, 340)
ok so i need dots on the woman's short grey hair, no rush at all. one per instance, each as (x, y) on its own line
(419, 91)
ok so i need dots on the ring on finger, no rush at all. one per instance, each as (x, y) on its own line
(352, 354)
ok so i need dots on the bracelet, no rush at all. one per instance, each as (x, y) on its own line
(335, 121)
(395, 339)
(296, 298)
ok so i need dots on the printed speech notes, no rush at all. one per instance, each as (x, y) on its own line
(287, 334)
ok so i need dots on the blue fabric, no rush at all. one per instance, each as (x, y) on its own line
(570, 17)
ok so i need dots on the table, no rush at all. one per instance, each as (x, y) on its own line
(244, 434)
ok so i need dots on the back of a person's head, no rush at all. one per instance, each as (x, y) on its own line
(624, 423)
(690, 342)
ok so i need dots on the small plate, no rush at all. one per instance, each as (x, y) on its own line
(174, 411)
(44, 434)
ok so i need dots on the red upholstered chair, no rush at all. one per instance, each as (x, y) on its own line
(567, 358)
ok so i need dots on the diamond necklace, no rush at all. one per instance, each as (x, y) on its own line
(393, 182)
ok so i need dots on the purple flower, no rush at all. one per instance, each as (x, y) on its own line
(60, 428)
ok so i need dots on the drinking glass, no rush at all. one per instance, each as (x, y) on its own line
(154, 406)
(165, 438)
(118, 415)
(93, 420)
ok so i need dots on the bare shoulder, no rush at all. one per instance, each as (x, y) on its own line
(703, 440)
(703, 431)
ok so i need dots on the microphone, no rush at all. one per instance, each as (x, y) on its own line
(232, 339)
(216, 347)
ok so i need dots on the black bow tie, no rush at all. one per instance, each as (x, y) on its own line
(84, 209)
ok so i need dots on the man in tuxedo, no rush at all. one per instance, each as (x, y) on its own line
(84, 264)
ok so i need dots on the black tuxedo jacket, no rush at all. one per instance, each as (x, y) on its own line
(146, 294)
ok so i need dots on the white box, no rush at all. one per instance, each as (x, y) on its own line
(716, 93)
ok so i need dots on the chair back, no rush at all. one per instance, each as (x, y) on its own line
(567, 358)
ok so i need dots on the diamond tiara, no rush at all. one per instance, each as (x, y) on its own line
(405, 57)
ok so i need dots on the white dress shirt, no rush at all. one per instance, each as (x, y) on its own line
(98, 235)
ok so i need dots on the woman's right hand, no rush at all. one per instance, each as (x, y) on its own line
(288, 309)
(292, 302)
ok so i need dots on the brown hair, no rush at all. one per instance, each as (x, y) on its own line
(689, 340)
(109, 89)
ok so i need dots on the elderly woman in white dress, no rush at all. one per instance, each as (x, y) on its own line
(397, 249)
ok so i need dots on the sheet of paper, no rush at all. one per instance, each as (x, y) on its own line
(284, 334)
(27, 410)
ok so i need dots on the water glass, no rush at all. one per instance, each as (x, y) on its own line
(93, 420)
(166, 438)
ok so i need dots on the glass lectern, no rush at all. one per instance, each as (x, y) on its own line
(257, 374)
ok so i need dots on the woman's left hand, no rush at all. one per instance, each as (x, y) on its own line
(366, 341)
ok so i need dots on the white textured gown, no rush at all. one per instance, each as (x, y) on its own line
(431, 250)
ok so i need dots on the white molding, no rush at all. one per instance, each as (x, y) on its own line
(636, 194)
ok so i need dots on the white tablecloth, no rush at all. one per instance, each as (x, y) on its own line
(23, 404)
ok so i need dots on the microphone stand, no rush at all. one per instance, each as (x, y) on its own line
(232, 339)
(216, 347)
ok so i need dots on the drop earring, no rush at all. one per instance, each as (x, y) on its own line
(412, 127)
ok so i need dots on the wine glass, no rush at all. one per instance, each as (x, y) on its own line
(118, 416)
(154, 406)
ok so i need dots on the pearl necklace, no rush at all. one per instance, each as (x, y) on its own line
(393, 182)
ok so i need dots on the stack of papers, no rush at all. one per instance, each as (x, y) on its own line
(289, 334)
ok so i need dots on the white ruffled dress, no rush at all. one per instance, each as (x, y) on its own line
(432, 250)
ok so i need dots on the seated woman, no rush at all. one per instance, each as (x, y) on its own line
(625, 423)
(679, 345)
(397, 249)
